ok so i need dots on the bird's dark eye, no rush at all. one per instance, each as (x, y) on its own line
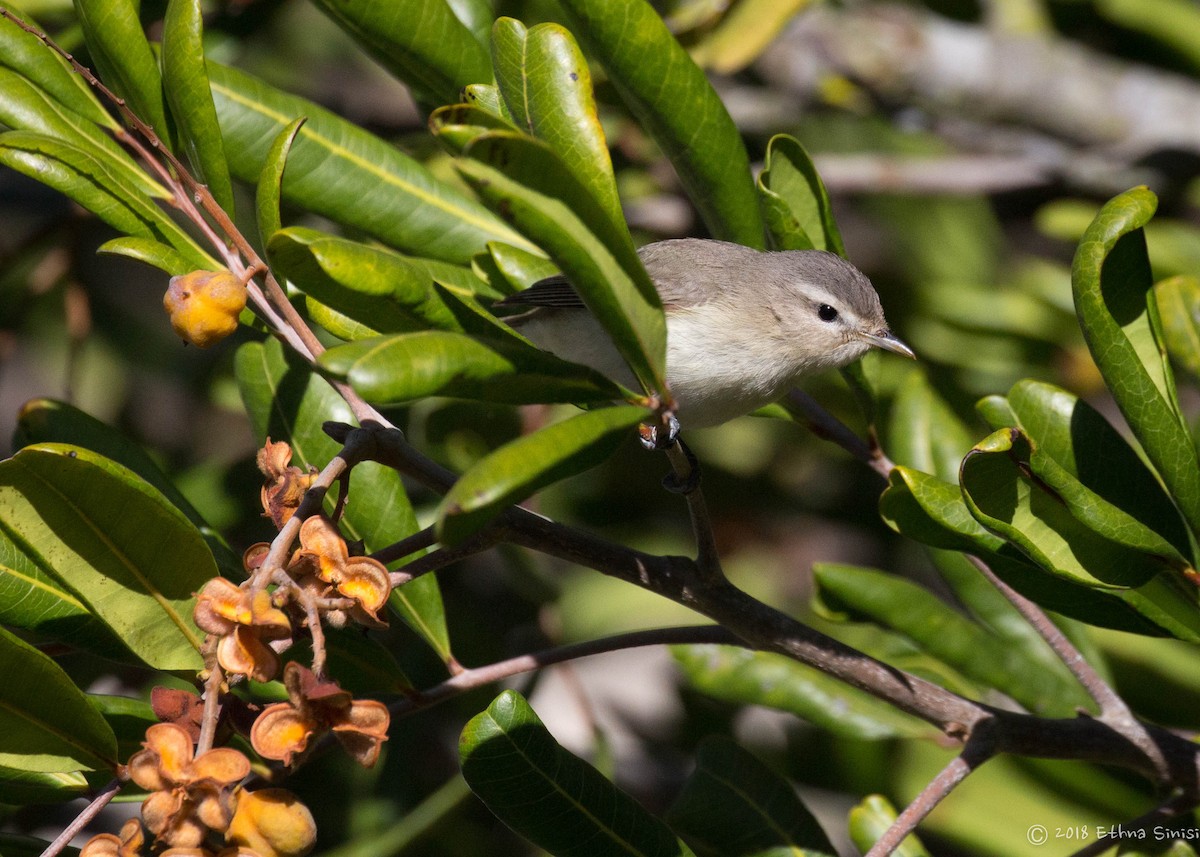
(826, 313)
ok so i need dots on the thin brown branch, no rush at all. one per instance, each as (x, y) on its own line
(825, 425)
(212, 707)
(687, 473)
(481, 676)
(937, 790)
(439, 559)
(407, 546)
(97, 803)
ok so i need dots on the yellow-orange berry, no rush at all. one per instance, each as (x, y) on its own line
(204, 305)
(273, 823)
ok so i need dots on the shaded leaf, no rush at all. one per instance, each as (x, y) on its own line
(524, 466)
(270, 181)
(796, 205)
(763, 678)
(286, 400)
(550, 796)
(348, 175)
(422, 42)
(510, 269)
(949, 636)
(925, 433)
(735, 806)
(672, 98)
(159, 255)
(19, 788)
(1111, 281)
(185, 80)
(871, 819)
(1178, 301)
(46, 722)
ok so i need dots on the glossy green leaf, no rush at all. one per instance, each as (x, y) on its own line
(476, 16)
(123, 57)
(795, 203)
(372, 285)
(733, 804)
(1178, 301)
(545, 82)
(50, 421)
(932, 510)
(270, 181)
(185, 79)
(25, 54)
(408, 366)
(672, 98)
(422, 42)
(155, 253)
(550, 796)
(1025, 506)
(486, 96)
(46, 722)
(520, 176)
(286, 400)
(1112, 282)
(524, 466)
(948, 635)
(77, 174)
(871, 819)
(1081, 441)
(337, 170)
(116, 541)
(25, 107)
(762, 678)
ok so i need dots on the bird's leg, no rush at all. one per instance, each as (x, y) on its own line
(686, 477)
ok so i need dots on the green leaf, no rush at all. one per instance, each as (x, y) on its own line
(419, 41)
(159, 255)
(25, 107)
(1112, 283)
(123, 57)
(1032, 506)
(796, 205)
(526, 465)
(270, 181)
(545, 82)
(20, 788)
(348, 175)
(551, 797)
(49, 421)
(520, 176)
(1082, 442)
(1178, 300)
(408, 366)
(672, 98)
(116, 541)
(763, 678)
(286, 400)
(46, 722)
(733, 804)
(946, 634)
(80, 176)
(372, 285)
(185, 79)
(510, 269)
(457, 125)
(744, 32)
(871, 819)
(925, 433)
(932, 511)
(25, 54)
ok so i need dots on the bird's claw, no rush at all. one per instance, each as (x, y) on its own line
(649, 434)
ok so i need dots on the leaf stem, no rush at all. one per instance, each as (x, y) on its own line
(82, 820)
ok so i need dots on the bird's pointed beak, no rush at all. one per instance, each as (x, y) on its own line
(889, 342)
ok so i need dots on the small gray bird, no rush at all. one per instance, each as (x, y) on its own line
(743, 325)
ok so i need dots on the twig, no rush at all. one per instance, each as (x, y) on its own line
(212, 707)
(407, 546)
(687, 473)
(1113, 709)
(478, 543)
(480, 676)
(827, 426)
(934, 793)
(82, 820)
